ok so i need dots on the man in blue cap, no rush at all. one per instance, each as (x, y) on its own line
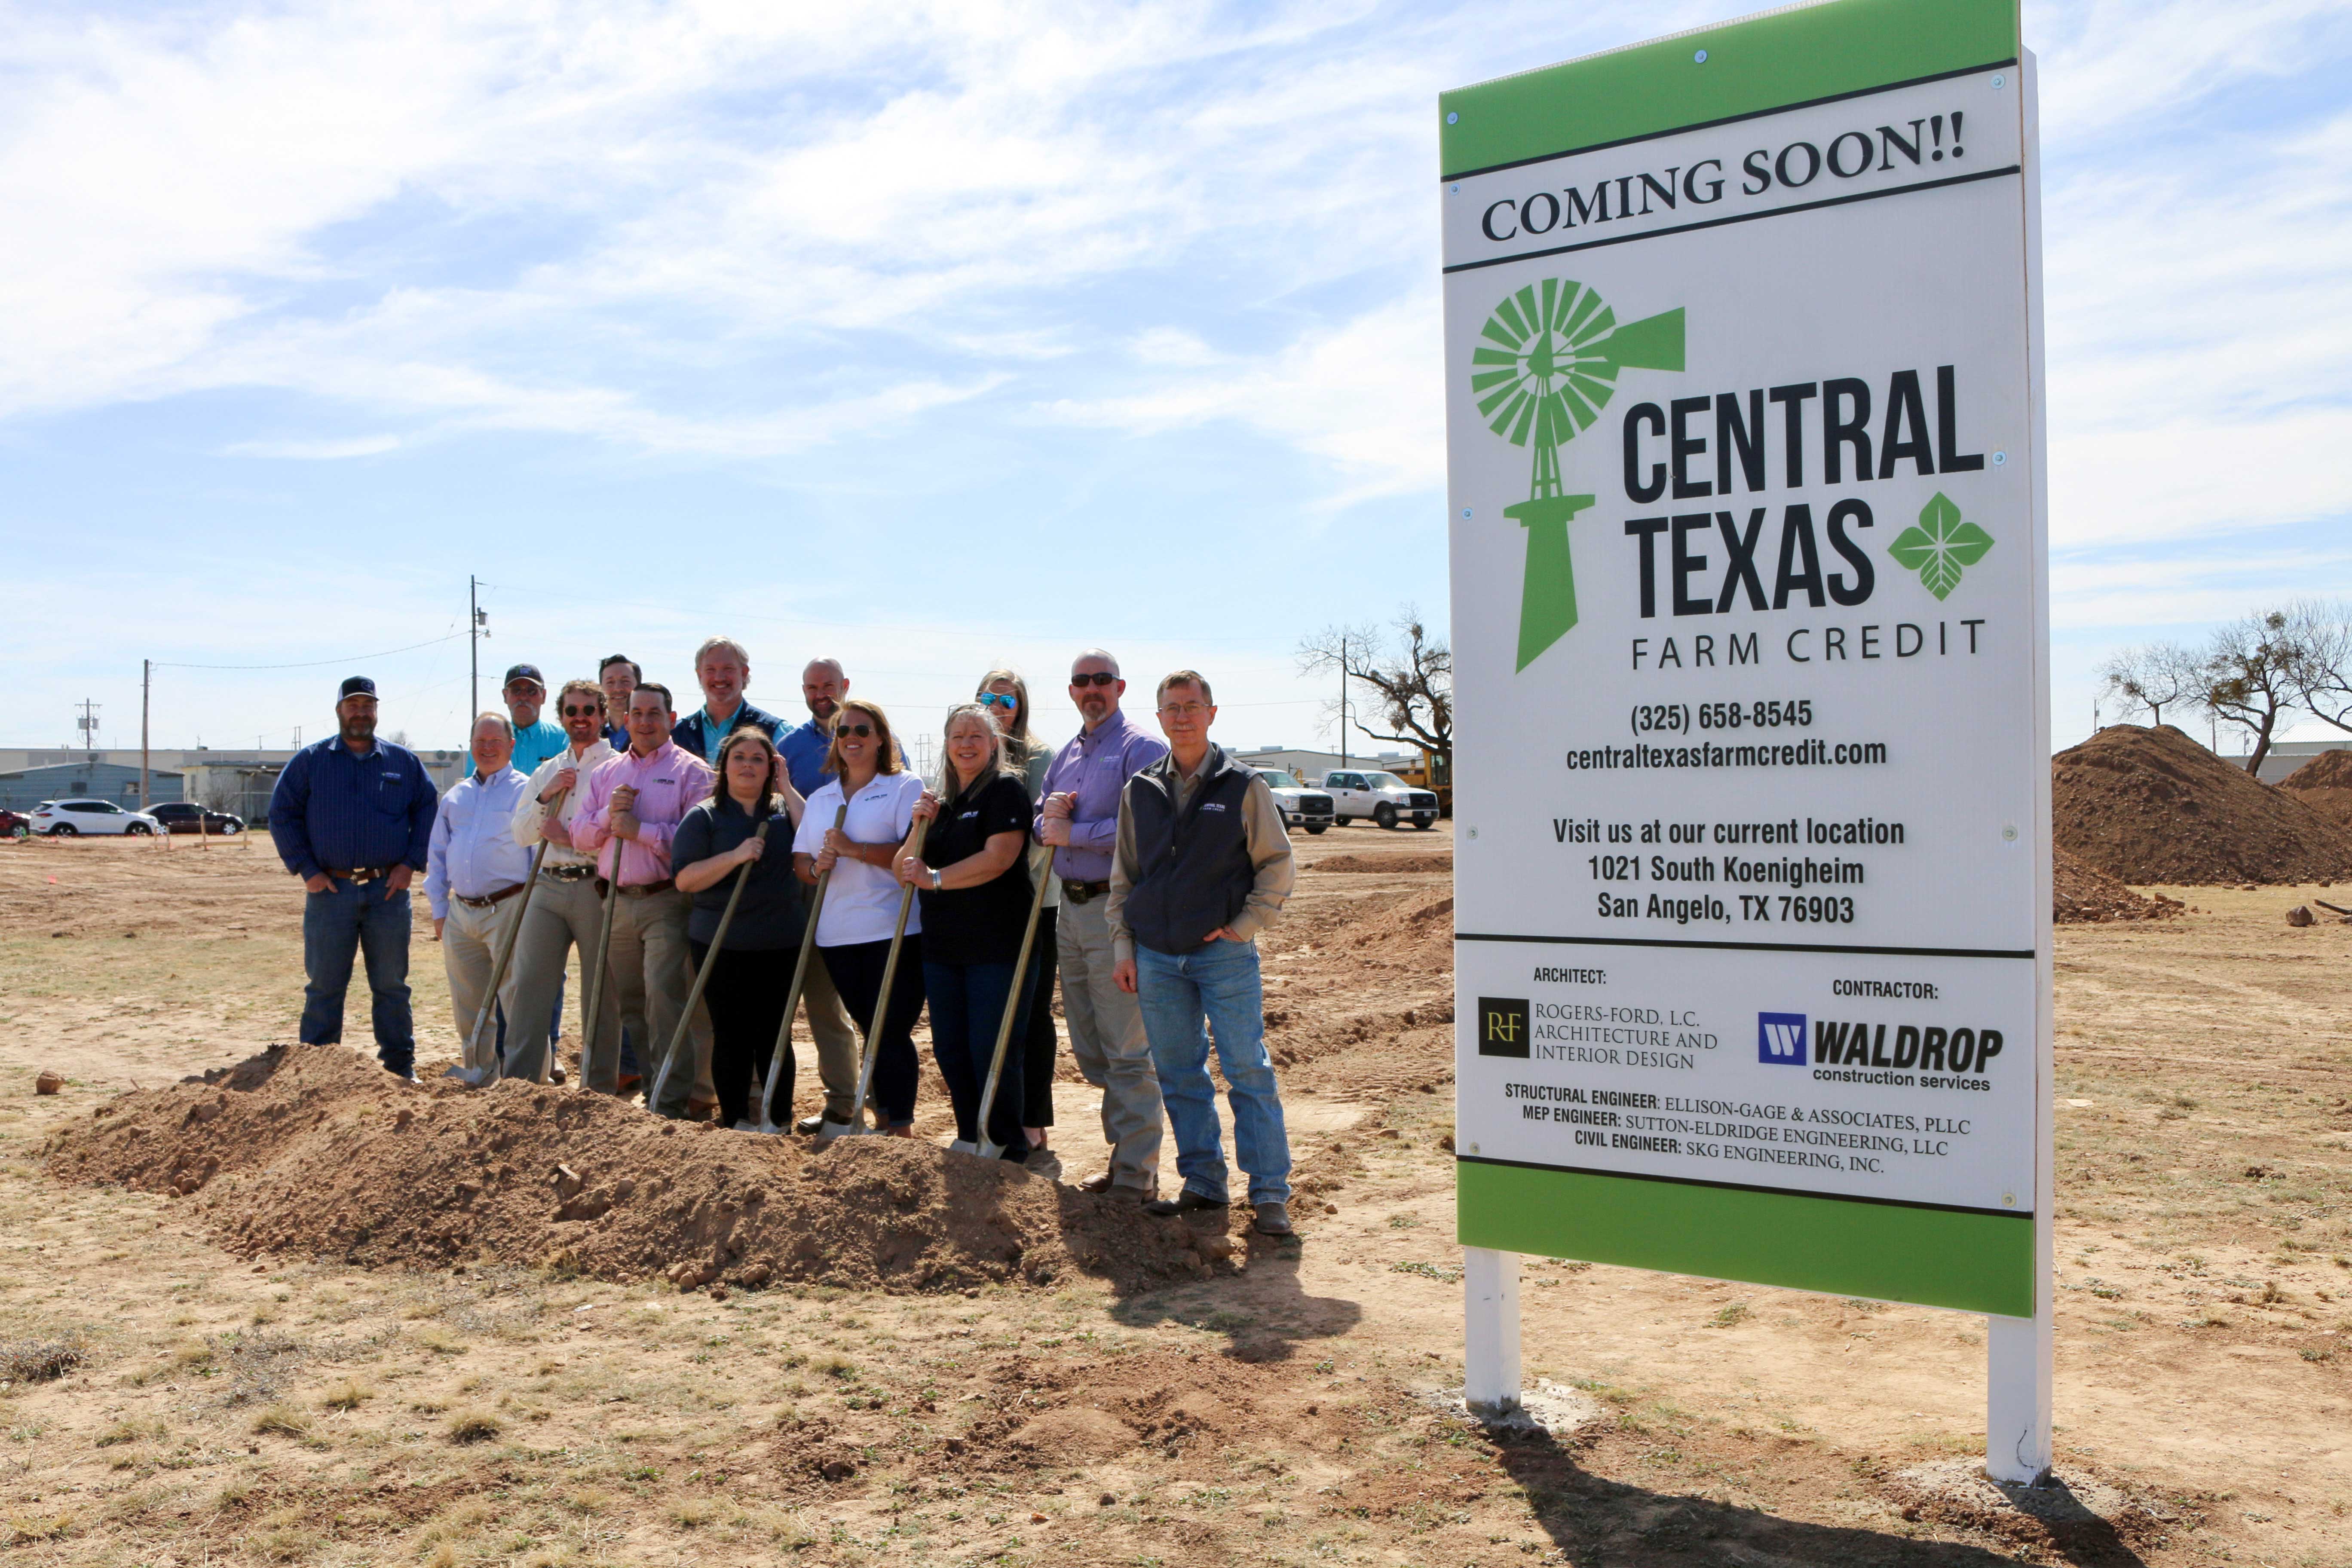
(535, 739)
(352, 817)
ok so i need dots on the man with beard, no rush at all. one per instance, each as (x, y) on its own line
(352, 817)
(803, 748)
(565, 911)
(1079, 817)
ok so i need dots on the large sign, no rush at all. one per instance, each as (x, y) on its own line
(1749, 630)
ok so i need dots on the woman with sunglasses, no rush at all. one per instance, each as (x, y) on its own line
(973, 880)
(1007, 697)
(714, 845)
(861, 902)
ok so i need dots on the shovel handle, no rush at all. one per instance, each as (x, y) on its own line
(793, 996)
(989, 1148)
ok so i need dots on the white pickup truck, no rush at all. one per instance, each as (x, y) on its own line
(1301, 806)
(1385, 798)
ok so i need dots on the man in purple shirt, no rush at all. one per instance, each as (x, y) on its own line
(1079, 817)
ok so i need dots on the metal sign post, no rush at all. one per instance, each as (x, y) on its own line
(1750, 612)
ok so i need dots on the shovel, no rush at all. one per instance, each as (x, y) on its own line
(988, 1150)
(596, 984)
(793, 997)
(702, 975)
(866, 1052)
(506, 952)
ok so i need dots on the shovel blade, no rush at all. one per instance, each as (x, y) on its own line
(988, 1151)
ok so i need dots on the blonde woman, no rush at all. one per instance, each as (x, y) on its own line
(861, 903)
(1006, 695)
(973, 881)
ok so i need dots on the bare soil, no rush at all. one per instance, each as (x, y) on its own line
(2325, 785)
(2081, 894)
(194, 1390)
(2152, 805)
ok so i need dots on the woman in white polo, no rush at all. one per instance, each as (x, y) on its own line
(861, 902)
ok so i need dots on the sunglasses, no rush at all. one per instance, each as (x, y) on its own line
(860, 731)
(582, 712)
(999, 699)
(1099, 678)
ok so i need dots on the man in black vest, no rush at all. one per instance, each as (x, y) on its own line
(1203, 865)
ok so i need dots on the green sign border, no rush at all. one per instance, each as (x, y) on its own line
(1773, 61)
(1971, 1262)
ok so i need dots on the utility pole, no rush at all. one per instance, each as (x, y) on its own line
(146, 680)
(87, 725)
(1343, 702)
(474, 646)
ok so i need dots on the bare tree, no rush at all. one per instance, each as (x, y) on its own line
(2253, 670)
(1408, 674)
(2156, 677)
(2322, 676)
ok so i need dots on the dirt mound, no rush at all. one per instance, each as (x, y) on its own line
(1412, 928)
(314, 1150)
(1392, 865)
(2082, 894)
(2153, 805)
(2325, 785)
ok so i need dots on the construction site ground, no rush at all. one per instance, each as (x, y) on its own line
(173, 1396)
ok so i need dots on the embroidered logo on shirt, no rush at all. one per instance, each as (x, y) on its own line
(1212, 806)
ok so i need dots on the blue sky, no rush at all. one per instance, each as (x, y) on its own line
(937, 336)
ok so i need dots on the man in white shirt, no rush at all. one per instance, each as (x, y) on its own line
(473, 871)
(565, 911)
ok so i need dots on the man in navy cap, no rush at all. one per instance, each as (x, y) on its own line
(535, 739)
(352, 817)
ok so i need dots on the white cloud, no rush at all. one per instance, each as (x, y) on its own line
(314, 451)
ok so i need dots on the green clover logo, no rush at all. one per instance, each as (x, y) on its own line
(1546, 367)
(1940, 546)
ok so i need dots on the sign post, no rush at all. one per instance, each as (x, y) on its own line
(1751, 630)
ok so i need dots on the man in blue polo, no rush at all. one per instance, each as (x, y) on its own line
(352, 817)
(724, 669)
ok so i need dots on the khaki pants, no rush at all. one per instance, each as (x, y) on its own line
(469, 946)
(1107, 1042)
(837, 1041)
(562, 916)
(652, 971)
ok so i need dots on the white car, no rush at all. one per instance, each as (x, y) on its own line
(1300, 806)
(71, 818)
(1385, 798)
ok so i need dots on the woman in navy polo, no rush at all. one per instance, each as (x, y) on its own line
(974, 878)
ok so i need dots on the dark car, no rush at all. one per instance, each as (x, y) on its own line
(13, 825)
(183, 817)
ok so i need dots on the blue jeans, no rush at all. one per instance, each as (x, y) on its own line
(1220, 982)
(348, 919)
(967, 1002)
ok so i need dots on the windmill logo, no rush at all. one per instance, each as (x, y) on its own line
(1547, 367)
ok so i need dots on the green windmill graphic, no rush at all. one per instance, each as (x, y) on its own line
(1548, 366)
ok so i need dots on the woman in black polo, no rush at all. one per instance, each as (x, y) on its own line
(974, 878)
(748, 985)
(1006, 695)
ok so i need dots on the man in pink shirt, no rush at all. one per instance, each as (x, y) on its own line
(631, 806)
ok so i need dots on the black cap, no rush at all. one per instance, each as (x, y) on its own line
(357, 686)
(525, 672)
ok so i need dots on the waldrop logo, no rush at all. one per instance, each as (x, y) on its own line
(1780, 1037)
(1502, 1026)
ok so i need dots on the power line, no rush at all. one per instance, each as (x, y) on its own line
(311, 663)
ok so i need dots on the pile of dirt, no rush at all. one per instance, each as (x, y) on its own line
(2153, 805)
(2325, 784)
(1391, 865)
(313, 1149)
(1411, 929)
(2082, 894)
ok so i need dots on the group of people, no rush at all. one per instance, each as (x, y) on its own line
(690, 854)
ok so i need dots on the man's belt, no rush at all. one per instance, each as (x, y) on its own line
(358, 873)
(1083, 892)
(501, 896)
(566, 873)
(645, 889)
